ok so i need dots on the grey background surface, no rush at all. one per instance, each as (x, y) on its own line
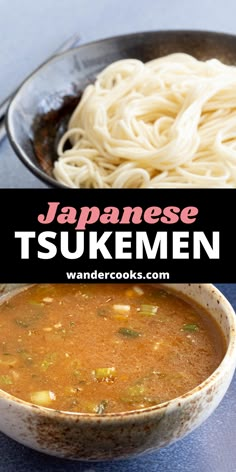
(29, 32)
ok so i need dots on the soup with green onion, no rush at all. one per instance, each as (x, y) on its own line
(94, 348)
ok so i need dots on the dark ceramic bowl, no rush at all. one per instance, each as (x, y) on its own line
(39, 112)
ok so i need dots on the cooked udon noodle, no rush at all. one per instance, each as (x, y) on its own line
(170, 122)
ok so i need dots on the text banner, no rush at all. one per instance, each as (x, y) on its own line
(128, 235)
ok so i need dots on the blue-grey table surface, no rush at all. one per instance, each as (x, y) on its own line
(29, 32)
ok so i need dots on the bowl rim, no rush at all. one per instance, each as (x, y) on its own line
(10, 129)
(227, 364)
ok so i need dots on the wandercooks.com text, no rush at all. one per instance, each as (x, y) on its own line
(131, 275)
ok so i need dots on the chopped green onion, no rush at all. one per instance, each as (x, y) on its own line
(22, 324)
(149, 376)
(190, 327)
(129, 333)
(43, 397)
(60, 332)
(134, 393)
(45, 364)
(121, 308)
(104, 374)
(77, 373)
(48, 299)
(100, 408)
(153, 400)
(25, 355)
(103, 312)
(6, 380)
(8, 360)
(148, 310)
(48, 361)
(138, 290)
(88, 407)
(33, 302)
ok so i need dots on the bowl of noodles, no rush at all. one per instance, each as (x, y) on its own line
(144, 110)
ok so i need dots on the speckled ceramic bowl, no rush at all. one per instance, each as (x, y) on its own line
(113, 436)
(39, 112)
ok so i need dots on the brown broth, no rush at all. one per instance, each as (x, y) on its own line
(104, 348)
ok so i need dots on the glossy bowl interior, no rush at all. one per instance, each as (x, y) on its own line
(39, 112)
(91, 437)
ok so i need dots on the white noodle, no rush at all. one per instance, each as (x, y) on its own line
(170, 122)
